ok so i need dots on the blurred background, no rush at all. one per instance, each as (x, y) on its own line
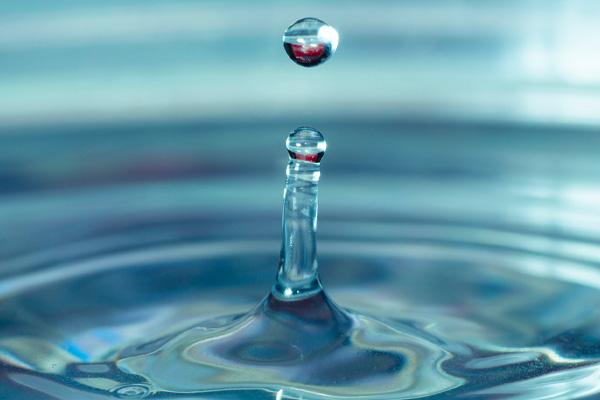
(156, 118)
(523, 61)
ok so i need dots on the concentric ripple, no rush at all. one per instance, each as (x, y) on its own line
(454, 310)
(309, 347)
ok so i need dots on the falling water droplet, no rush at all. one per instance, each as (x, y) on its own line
(310, 42)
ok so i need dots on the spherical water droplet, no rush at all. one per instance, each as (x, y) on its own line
(306, 144)
(310, 42)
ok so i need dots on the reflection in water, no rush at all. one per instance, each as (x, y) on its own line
(568, 384)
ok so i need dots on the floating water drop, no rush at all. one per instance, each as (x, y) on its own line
(310, 42)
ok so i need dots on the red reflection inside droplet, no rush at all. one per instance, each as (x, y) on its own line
(306, 157)
(308, 53)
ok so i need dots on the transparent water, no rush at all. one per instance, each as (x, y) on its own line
(486, 259)
(296, 340)
(310, 42)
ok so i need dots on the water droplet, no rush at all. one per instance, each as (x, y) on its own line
(306, 144)
(310, 42)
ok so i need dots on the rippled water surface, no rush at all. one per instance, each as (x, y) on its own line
(485, 251)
